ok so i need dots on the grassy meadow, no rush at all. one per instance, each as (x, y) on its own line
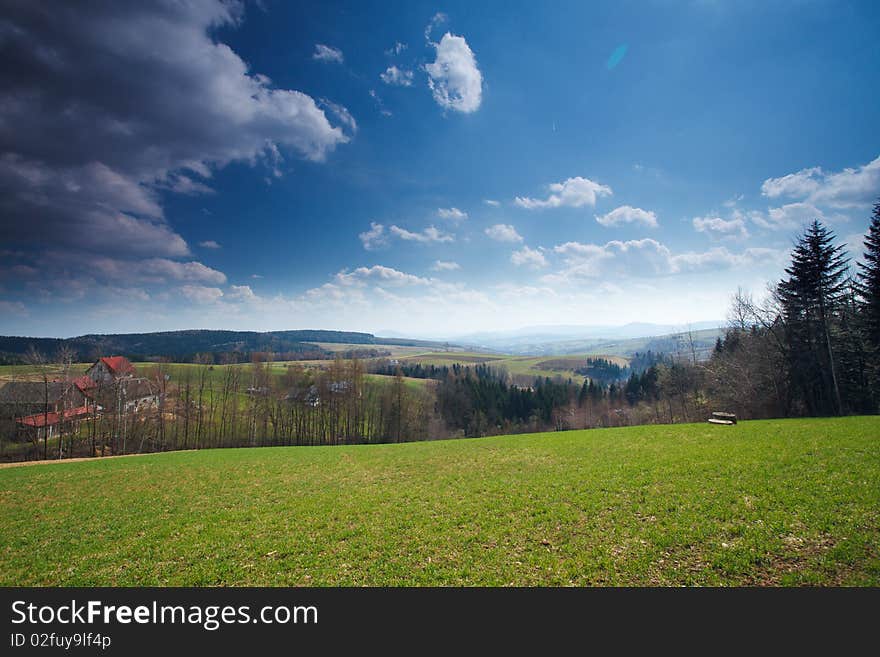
(781, 502)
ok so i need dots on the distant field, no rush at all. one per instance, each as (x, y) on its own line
(767, 502)
(395, 350)
(525, 368)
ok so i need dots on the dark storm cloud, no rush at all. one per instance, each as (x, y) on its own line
(103, 104)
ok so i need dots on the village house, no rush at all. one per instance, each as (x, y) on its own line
(38, 407)
(111, 369)
(119, 387)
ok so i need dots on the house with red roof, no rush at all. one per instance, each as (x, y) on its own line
(110, 369)
(117, 386)
(45, 424)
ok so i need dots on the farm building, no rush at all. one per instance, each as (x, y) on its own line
(27, 397)
(116, 384)
(38, 407)
(110, 369)
(40, 423)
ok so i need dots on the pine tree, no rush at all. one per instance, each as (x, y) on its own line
(811, 297)
(869, 290)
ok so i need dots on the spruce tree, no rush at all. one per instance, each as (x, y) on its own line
(811, 298)
(869, 289)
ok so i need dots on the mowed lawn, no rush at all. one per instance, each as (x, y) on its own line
(762, 503)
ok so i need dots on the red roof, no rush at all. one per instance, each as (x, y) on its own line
(85, 383)
(118, 364)
(40, 419)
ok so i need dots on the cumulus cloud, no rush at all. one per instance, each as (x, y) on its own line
(491, 202)
(503, 233)
(397, 77)
(209, 244)
(789, 217)
(851, 187)
(375, 237)
(326, 53)
(95, 127)
(150, 270)
(533, 258)
(430, 234)
(648, 257)
(717, 227)
(627, 214)
(441, 265)
(201, 294)
(573, 193)
(342, 115)
(378, 274)
(452, 214)
(453, 77)
(241, 293)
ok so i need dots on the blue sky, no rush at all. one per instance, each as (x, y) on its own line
(428, 169)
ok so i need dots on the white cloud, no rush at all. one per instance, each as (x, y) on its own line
(492, 202)
(503, 233)
(378, 274)
(149, 270)
(84, 168)
(627, 214)
(327, 54)
(241, 293)
(440, 265)
(533, 258)
(209, 244)
(430, 234)
(181, 271)
(201, 294)
(574, 193)
(453, 76)
(397, 77)
(396, 49)
(374, 238)
(384, 111)
(648, 257)
(452, 214)
(851, 187)
(342, 114)
(721, 228)
(437, 19)
(789, 217)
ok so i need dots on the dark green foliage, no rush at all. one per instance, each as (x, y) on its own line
(869, 307)
(812, 299)
(184, 346)
(477, 400)
(603, 371)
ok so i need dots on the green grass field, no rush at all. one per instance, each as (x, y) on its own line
(765, 502)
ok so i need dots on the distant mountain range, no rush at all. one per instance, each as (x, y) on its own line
(562, 339)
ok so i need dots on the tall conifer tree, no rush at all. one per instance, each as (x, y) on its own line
(811, 298)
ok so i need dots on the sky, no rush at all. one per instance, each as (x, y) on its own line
(421, 168)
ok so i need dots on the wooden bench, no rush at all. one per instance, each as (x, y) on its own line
(722, 418)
